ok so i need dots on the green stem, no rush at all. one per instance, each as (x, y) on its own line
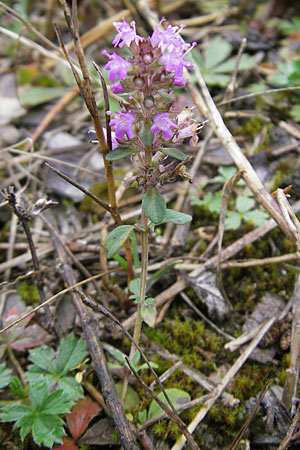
(144, 270)
(139, 320)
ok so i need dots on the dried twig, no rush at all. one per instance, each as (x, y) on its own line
(292, 373)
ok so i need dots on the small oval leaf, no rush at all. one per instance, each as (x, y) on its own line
(149, 314)
(118, 153)
(174, 152)
(177, 397)
(176, 217)
(154, 206)
(116, 239)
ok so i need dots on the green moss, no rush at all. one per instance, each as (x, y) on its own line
(28, 293)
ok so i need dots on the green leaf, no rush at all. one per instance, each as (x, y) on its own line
(37, 393)
(142, 416)
(5, 376)
(42, 357)
(149, 314)
(118, 153)
(71, 352)
(132, 398)
(147, 135)
(244, 204)
(216, 79)
(35, 95)
(295, 113)
(58, 402)
(117, 238)
(134, 287)
(233, 220)
(174, 153)
(12, 413)
(177, 397)
(257, 217)
(47, 429)
(154, 206)
(176, 217)
(135, 358)
(17, 389)
(216, 52)
(41, 416)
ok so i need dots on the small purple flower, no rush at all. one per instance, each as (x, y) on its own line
(168, 38)
(116, 66)
(162, 122)
(174, 63)
(126, 34)
(117, 88)
(123, 124)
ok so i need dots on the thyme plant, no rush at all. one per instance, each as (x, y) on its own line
(147, 128)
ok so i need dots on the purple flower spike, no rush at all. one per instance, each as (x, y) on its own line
(116, 66)
(123, 124)
(162, 122)
(126, 34)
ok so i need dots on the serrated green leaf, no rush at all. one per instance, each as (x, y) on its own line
(118, 153)
(37, 393)
(47, 429)
(174, 153)
(117, 238)
(177, 397)
(154, 206)
(176, 217)
(25, 424)
(71, 387)
(5, 376)
(42, 357)
(71, 352)
(12, 413)
(58, 402)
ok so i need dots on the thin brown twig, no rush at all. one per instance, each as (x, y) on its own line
(256, 94)
(242, 431)
(291, 432)
(80, 187)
